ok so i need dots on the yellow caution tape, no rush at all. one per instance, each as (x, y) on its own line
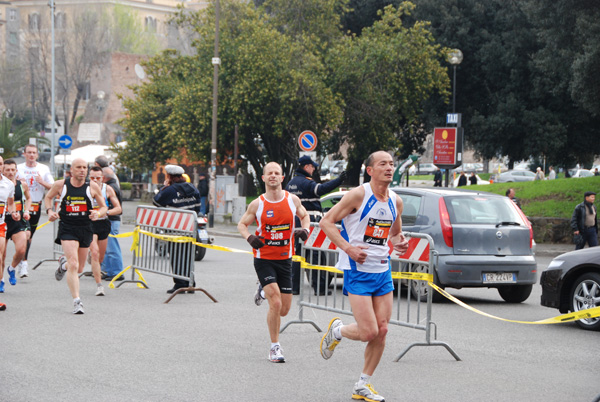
(42, 225)
(139, 285)
(579, 315)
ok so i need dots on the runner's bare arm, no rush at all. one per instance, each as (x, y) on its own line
(97, 195)
(27, 206)
(48, 199)
(301, 212)
(398, 240)
(10, 204)
(112, 196)
(350, 203)
(247, 219)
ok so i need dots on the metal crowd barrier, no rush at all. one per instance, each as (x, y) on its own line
(165, 246)
(57, 250)
(411, 310)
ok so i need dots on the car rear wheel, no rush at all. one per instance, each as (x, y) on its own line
(419, 289)
(515, 293)
(585, 294)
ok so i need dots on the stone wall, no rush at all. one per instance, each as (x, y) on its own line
(551, 230)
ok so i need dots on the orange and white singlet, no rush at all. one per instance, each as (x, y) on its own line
(275, 221)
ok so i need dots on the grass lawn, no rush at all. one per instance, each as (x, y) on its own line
(547, 198)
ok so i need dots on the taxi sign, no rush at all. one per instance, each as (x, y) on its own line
(307, 141)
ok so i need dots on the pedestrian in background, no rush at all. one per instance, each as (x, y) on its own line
(551, 173)
(510, 193)
(203, 190)
(437, 178)
(462, 180)
(584, 222)
(539, 174)
(473, 179)
(113, 259)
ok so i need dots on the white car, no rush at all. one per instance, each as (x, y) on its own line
(578, 173)
(479, 180)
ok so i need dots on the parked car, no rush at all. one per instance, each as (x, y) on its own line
(578, 173)
(480, 181)
(426, 168)
(481, 239)
(571, 283)
(515, 175)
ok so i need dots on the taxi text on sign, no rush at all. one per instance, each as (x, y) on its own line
(445, 146)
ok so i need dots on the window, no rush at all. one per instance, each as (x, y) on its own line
(60, 20)
(150, 24)
(12, 14)
(412, 205)
(13, 39)
(34, 21)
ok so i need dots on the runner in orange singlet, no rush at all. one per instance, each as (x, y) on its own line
(273, 247)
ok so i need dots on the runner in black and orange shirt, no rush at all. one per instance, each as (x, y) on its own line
(273, 246)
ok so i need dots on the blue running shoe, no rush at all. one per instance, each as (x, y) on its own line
(12, 277)
(1, 286)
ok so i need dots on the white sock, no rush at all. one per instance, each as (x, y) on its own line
(10, 268)
(363, 380)
(99, 284)
(77, 299)
(275, 344)
(337, 332)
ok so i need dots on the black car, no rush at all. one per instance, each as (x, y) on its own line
(572, 283)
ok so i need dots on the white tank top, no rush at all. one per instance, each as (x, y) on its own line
(369, 226)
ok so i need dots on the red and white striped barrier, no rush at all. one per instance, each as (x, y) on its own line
(418, 248)
(163, 219)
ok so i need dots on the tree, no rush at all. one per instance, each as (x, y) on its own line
(385, 76)
(262, 88)
(13, 137)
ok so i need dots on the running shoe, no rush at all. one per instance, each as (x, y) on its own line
(329, 342)
(275, 355)
(78, 307)
(62, 268)
(366, 393)
(12, 278)
(100, 291)
(23, 269)
(2, 306)
(259, 296)
(1, 286)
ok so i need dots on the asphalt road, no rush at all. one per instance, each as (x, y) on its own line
(130, 346)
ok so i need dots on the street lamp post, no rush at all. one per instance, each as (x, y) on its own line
(216, 61)
(455, 57)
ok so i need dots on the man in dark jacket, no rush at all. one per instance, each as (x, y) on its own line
(437, 178)
(203, 189)
(462, 179)
(177, 193)
(584, 222)
(309, 192)
(113, 258)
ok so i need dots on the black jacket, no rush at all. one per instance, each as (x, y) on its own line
(309, 191)
(178, 195)
(578, 218)
(203, 187)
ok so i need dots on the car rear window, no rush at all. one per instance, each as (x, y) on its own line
(481, 209)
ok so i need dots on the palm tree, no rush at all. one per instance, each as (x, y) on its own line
(12, 140)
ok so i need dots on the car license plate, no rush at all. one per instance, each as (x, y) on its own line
(202, 234)
(500, 277)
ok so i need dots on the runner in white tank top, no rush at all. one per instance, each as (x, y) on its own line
(370, 225)
(370, 216)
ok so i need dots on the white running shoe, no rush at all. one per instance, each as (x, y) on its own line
(276, 354)
(100, 291)
(259, 296)
(329, 341)
(62, 268)
(23, 269)
(366, 393)
(78, 307)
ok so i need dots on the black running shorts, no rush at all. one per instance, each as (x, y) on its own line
(101, 228)
(81, 233)
(275, 271)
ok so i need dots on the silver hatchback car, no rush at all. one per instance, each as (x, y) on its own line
(481, 239)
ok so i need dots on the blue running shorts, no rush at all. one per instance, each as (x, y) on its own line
(368, 284)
